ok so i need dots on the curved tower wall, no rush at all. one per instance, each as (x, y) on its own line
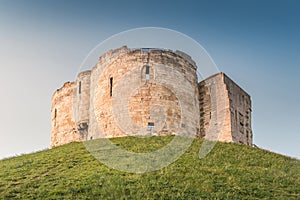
(82, 103)
(94, 130)
(63, 126)
(167, 98)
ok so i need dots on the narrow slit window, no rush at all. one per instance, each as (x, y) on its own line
(55, 115)
(236, 117)
(79, 87)
(147, 73)
(110, 85)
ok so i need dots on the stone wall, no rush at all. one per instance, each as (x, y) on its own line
(240, 112)
(149, 92)
(62, 122)
(81, 104)
(123, 108)
(225, 110)
(98, 70)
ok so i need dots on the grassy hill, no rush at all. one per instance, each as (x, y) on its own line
(230, 171)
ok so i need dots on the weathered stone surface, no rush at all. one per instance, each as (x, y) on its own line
(137, 92)
(225, 111)
(63, 124)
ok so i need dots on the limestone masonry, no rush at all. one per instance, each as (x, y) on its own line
(149, 92)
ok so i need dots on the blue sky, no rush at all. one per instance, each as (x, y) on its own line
(42, 44)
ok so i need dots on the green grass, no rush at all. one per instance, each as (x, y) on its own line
(230, 171)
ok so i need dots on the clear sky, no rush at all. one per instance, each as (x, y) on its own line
(42, 44)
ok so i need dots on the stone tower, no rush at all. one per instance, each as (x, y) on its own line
(149, 92)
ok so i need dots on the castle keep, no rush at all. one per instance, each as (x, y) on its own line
(149, 92)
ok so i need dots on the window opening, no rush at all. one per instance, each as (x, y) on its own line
(79, 87)
(147, 50)
(150, 127)
(110, 85)
(147, 73)
(55, 115)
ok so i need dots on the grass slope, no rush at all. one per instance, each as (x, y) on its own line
(230, 171)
